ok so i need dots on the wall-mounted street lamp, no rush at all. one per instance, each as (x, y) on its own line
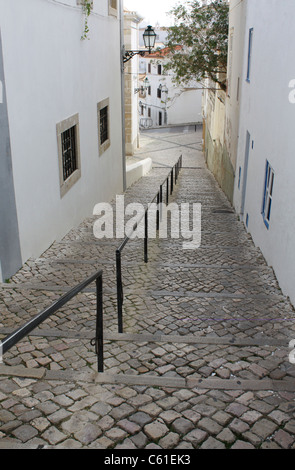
(143, 87)
(149, 38)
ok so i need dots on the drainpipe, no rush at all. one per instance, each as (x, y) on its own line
(122, 92)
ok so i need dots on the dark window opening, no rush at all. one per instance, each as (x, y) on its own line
(160, 118)
(69, 152)
(104, 131)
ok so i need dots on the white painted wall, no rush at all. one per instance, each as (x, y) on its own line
(269, 117)
(50, 75)
(186, 108)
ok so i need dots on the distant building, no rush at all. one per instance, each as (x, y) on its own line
(165, 103)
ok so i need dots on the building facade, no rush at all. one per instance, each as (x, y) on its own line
(61, 120)
(264, 190)
(249, 135)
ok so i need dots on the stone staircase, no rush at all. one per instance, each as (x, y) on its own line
(222, 297)
(207, 319)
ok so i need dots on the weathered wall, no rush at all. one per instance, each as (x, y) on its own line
(219, 163)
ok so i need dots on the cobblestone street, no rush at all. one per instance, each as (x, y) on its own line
(203, 361)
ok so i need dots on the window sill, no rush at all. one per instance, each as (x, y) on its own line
(70, 181)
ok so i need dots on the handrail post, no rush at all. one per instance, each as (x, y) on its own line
(119, 291)
(146, 236)
(161, 200)
(99, 324)
(158, 214)
(167, 190)
(171, 185)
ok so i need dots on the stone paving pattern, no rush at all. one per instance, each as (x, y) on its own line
(203, 360)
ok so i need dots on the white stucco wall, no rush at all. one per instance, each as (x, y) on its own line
(186, 108)
(269, 117)
(51, 75)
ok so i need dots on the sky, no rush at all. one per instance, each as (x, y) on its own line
(153, 11)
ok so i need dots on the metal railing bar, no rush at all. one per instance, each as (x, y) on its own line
(12, 339)
(120, 296)
(173, 174)
(99, 324)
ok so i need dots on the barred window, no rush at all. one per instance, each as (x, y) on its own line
(104, 131)
(68, 152)
(103, 121)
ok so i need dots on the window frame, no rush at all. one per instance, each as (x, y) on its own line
(113, 11)
(250, 50)
(61, 128)
(268, 193)
(103, 146)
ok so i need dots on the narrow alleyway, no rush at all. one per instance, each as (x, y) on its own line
(203, 360)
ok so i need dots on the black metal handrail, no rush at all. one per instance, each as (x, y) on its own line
(173, 176)
(12, 339)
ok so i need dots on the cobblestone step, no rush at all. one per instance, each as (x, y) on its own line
(149, 380)
(156, 355)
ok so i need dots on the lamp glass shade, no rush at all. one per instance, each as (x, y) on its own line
(149, 37)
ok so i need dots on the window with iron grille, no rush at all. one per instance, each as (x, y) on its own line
(103, 118)
(104, 131)
(68, 152)
(69, 155)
